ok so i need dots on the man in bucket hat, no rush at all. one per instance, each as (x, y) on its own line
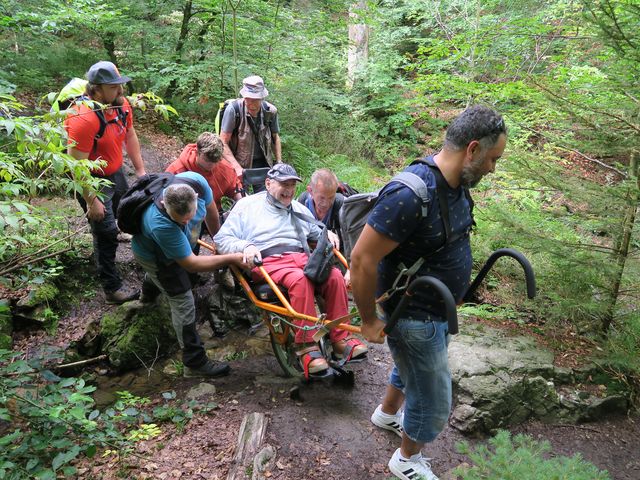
(250, 129)
(98, 132)
(263, 227)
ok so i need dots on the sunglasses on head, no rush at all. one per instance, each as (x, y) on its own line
(499, 127)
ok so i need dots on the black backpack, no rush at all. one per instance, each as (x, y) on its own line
(145, 190)
(345, 189)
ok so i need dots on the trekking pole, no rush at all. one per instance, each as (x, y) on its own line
(504, 252)
(451, 314)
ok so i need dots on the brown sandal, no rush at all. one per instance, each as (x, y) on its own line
(352, 349)
(308, 354)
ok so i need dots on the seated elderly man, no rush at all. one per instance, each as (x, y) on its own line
(263, 227)
(322, 199)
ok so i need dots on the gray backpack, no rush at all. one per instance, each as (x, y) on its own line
(356, 208)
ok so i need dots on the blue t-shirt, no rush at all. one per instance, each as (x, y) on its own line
(162, 239)
(397, 215)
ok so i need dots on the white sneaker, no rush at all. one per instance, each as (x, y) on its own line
(415, 468)
(386, 421)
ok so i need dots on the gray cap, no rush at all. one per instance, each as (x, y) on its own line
(105, 73)
(282, 172)
(253, 87)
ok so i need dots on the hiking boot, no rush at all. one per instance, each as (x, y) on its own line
(148, 298)
(386, 421)
(416, 467)
(225, 278)
(209, 369)
(121, 296)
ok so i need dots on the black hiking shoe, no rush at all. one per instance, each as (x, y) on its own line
(209, 369)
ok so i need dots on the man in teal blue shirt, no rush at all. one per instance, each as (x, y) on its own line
(170, 230)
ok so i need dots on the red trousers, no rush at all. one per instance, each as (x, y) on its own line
(286, 270)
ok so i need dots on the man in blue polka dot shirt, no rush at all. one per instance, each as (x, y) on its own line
(399, 233)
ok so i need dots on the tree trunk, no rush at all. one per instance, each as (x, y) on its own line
(187, 13)
(110, 46)
(621, 250)
(358, 42)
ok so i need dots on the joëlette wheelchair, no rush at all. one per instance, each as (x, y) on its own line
(279, 316)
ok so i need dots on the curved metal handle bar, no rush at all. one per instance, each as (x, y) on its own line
(504, 252)
(440, 288)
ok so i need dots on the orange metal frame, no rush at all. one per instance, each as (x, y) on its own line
(285, 310)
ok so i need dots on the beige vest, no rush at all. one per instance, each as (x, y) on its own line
(242, 144)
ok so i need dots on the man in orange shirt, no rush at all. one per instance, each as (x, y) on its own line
(204, 157)
(98, 132)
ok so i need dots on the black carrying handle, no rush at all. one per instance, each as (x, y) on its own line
(504, 252)
(424, 282)
(254, 176)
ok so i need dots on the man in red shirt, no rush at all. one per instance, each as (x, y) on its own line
(204, 157)
(83, 126)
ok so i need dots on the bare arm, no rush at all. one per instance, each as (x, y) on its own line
(212, 219)
(95, 208)
(228, 154)
(277, 147)
(133, 150)
(367, 253)
(194, 263)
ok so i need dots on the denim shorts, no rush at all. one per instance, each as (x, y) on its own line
(421, 371)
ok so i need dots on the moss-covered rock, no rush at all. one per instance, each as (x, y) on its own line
(136, 332)
(39, 294)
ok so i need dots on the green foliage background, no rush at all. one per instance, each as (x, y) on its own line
(563, 74)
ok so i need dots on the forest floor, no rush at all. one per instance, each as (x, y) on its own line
(323, 432)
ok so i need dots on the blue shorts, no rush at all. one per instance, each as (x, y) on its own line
(421, 371)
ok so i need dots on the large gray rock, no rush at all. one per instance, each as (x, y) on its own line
(136, 333)
(501, 381)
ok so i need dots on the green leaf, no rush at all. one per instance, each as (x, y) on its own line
(7, 439)
(90, 451)
(9, 125)
(65, 457)
(67, 382)
(47, 474)
(77, 412)
(169, 395)
(49, 376)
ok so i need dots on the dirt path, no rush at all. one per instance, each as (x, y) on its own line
(325, 433)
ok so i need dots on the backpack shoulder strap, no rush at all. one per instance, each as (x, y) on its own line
(197, 187)
(441, 183)
(170, 179)
(236, 109)
(121, 116)
(417, 186)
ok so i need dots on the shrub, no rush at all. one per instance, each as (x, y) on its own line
(523, 458)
